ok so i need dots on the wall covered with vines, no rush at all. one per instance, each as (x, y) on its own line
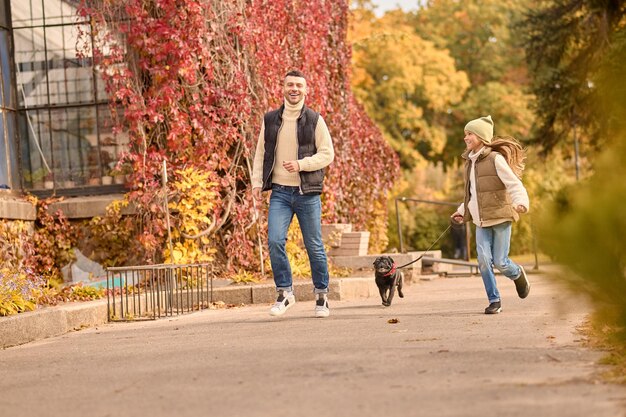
(189, 81)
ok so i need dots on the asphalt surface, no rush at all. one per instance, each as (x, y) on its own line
(443, 357)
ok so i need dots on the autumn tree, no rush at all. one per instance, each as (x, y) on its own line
(406, 83)
(482, 37)
(408, 69)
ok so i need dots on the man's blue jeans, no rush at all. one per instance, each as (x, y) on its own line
(284, 203)
(492, 247)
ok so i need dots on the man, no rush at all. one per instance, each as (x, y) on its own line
(293, 149)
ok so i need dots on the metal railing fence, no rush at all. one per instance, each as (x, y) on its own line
(154, 291)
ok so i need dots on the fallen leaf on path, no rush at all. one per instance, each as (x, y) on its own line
(393, 321)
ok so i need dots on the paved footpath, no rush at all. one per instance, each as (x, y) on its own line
(442, 358)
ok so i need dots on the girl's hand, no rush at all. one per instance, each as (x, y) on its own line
(458, 218)
(521, 209)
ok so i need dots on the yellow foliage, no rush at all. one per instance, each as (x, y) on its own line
(377, 225)
(18, 292)
(406, 83)
(112, 235)
(243, 276)
(194, 200)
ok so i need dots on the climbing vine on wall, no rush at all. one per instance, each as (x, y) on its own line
(189, 81)
(53, 241)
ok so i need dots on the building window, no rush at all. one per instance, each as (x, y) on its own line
(62, 117)
(8, 162)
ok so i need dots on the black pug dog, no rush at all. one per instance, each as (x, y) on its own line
(387, 279)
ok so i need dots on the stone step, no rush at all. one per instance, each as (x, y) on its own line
(331, 233)
(351, 244)
(367, 261)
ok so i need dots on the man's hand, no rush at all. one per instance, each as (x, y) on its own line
(291, 166)
(521, 209)
(256, 193)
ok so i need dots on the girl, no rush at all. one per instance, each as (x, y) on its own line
(494, 195)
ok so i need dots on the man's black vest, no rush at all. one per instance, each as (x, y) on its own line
(310, 181)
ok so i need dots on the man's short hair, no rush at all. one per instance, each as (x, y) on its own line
(295, 73)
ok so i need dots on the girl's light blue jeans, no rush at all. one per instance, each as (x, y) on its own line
(492, 247)
(284, 203)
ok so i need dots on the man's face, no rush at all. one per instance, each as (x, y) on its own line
(294, 89)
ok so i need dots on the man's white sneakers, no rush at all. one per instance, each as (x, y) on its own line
(321, 305)
(285, 300)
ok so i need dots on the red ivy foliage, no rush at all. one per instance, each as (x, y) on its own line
(52, 242)
(189, 81)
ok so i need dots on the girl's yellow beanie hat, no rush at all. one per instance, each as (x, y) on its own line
(482, 127)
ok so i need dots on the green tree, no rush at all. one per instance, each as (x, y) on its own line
(478, 35)
(567, 43)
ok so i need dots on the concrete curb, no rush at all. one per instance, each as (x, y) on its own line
(54, 321)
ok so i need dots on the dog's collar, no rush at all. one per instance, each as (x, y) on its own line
(391, 271)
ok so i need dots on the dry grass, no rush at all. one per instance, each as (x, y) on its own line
(600, 336)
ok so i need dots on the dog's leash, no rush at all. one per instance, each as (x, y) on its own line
(426, 251)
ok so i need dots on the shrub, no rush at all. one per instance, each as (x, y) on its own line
(18, 290)
(584, 230)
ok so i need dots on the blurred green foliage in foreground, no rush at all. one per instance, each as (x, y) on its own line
(585, 229)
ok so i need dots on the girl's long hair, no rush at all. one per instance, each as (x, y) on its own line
(513, 152)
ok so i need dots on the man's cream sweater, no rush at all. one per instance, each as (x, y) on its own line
(287, 149)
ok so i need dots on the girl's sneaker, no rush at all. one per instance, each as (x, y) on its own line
(285, 300)
(321, 305)
(522, 285)
(494, 308)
